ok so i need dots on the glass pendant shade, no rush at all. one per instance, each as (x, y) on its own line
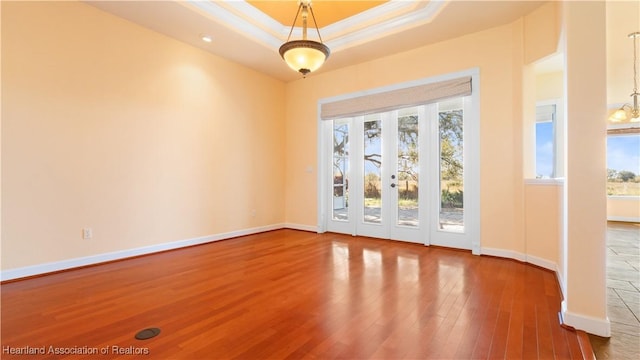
(618, 115)
(304, 56)
(635, 112)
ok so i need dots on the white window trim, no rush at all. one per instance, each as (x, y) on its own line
(558, 137)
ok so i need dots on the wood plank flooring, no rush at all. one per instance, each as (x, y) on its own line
(290, 294)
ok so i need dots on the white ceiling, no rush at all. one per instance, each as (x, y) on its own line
(243, 34)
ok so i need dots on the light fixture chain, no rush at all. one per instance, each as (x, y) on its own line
(622, 114)
(294, 22)
(635, 111)
(315, 23)
(635, 63)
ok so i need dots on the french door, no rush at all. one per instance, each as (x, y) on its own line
(399, 174)
(388, 182)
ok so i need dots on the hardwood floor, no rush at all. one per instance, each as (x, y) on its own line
(289, 294)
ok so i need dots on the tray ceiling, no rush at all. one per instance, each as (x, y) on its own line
(250, 33)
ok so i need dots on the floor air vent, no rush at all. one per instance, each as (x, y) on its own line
(147, 333)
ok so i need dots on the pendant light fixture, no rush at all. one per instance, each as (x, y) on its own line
(626, 111)
(304, 55)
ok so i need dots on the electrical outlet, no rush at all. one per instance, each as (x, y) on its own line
(87, 233)
(253, 213)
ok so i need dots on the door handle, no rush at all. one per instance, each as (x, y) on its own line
(393, 185)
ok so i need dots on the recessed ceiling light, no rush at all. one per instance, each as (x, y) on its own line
(206, 38)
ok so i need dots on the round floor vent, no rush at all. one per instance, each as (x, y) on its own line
(147, 333)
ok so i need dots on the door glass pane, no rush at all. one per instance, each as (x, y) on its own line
(372, 170)
(340, 170)
(408, 168)
(451, 216)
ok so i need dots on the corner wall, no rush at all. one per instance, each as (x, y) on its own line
(585, 304)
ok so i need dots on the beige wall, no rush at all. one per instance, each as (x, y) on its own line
(499, 54)
(1, 262)
(543, 198)
(543, 219)
(493, 52)
(541, 32)
(620, 15)
(623, 208)
(623, 18)
(144, 139)
(549, 86)
(585, 205)
(541, 40)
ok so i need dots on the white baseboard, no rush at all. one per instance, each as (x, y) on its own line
(623, 219)
(534, 260)
(586, 323)
(40, 269)
(560, 281)
(301, 227)
(543, 263)
(509, 254)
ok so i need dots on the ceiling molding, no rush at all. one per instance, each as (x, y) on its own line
(375, 23)
(218, 12)
(245, 35)
(372, 17)
(407, 20)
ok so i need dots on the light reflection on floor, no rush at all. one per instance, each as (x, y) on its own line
(361, 272)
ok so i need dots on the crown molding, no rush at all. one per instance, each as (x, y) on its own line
(219, 12)
(372, 24)
(423, 15)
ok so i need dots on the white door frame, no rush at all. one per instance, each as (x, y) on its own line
(389, 227)
(471, 155)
